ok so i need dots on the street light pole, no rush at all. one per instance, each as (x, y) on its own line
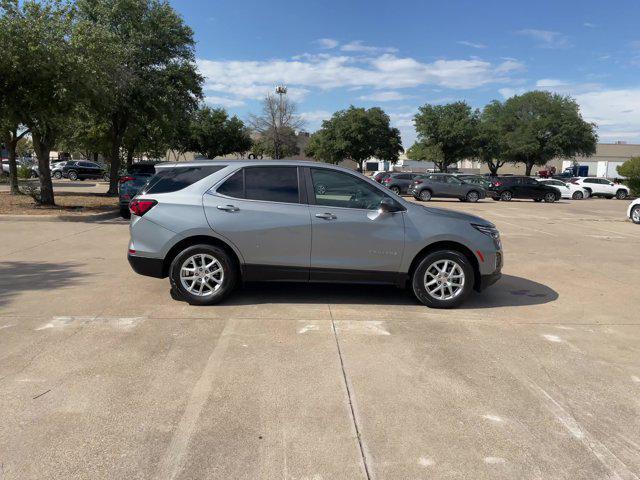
(281, 90)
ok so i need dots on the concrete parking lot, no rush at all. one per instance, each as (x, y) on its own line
(104, 376)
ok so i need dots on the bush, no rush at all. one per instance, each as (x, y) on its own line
(33, 191)
(631, 170)
(23, 171)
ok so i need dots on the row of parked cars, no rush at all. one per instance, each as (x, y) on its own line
(471, 188)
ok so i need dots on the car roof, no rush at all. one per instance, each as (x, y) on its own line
(252, 163)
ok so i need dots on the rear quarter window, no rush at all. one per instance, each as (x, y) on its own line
(175, 179)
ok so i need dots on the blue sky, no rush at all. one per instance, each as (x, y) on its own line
(402, 54)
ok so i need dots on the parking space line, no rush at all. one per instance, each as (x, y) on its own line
(172, 462)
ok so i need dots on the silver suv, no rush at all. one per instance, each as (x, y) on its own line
(209, 225)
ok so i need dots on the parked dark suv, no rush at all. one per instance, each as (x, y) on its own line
(129, 184)
(445, 185)
(506, 188)
(399, 183)
(81, 170)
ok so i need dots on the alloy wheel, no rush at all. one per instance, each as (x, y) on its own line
(444, 279)
(425, 195)
(201, 275)
(472, 196)
(635, 215)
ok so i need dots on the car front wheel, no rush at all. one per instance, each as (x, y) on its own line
(395, 190)
(635, 214)
(57, 175)
(506, 196)
(577, 196)
(203, 274)
(443, 279)
(73, 176)
(550, 197)
(621, 194)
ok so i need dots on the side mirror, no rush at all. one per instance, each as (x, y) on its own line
(387, 206)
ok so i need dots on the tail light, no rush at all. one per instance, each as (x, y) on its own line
(140, 207)
(497, 184)
(418, 182)
(574, 182)
(125, 179)
(387, 180)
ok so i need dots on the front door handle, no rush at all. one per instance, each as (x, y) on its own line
(228, 208)
(326, 216)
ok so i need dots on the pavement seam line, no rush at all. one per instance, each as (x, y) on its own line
(172, 462)
(351, 408)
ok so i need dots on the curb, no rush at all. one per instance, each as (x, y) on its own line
(89, 218)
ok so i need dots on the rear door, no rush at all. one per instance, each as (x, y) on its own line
(262, 211)
(351, 240)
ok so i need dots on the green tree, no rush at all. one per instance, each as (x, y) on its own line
(142, 63)
(213, 133)
(538, 126)
(285, 146)
(420, 151)
(42, 85)
(451, 128)
(490, 139)
(631, 170)
(276, 125)
(356, 134)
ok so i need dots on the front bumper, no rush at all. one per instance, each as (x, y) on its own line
(150, 267)
(490, 279)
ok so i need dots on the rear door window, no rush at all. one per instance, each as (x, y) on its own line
(272, 184)
(174, 179)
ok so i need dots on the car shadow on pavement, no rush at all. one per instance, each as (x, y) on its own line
(507, 292)
(512, 291)
(26, 277)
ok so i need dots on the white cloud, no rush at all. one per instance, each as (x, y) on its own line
(589, 25)
(546, 38)
(471, 44)
(252, 79)
(612, 110)
(383, 96)
(509, 92)
(327, 43)
(223, 101)
(550, 83)
(359, 46)
(315, 116)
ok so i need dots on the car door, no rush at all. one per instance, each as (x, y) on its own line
(351, 239)
(262, 211)
(608, 187)
(456, 187)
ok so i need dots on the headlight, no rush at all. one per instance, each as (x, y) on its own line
(491, 231)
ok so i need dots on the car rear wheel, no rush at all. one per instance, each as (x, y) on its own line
(635, 214)
(506, 196)
(473, 196)
(203, 275)
(57, 175)
(425, 195)
(550, 197)
(106, 177)
(125, 212)
(621, 194)
(73, 175)
(443, 279)
(395, 190)
(577, 196)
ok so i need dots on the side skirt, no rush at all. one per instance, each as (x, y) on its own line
(269, 273)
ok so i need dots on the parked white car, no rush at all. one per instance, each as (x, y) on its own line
(567, 190)
(601, 187)
(633, 212)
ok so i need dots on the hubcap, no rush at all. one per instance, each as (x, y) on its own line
(201, 275)
(444, 279)
(636, 214)
(425, 195)
(473, 196)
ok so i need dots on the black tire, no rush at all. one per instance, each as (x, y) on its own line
(472, 196)
(73, 176)
(506, 196)
(497, 199)
(420, 274)
(425, 195)
(33, 174)
(577, 195)
(57, 175)
(395, 189)
(549, 197)
(635, 214)
(106, 178)
(229, 271)
(621, 194)
(125, 213)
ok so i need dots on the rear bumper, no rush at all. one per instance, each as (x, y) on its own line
(150, 267)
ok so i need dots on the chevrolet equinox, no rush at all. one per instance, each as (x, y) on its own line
(208, 225)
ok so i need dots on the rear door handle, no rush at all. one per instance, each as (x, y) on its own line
(228, 208)
(326, 216)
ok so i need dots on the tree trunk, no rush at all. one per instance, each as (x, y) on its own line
(129, 158)
(114, 153)
(529, 167)
(13, 166)
(493, 167)
(43, 150)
